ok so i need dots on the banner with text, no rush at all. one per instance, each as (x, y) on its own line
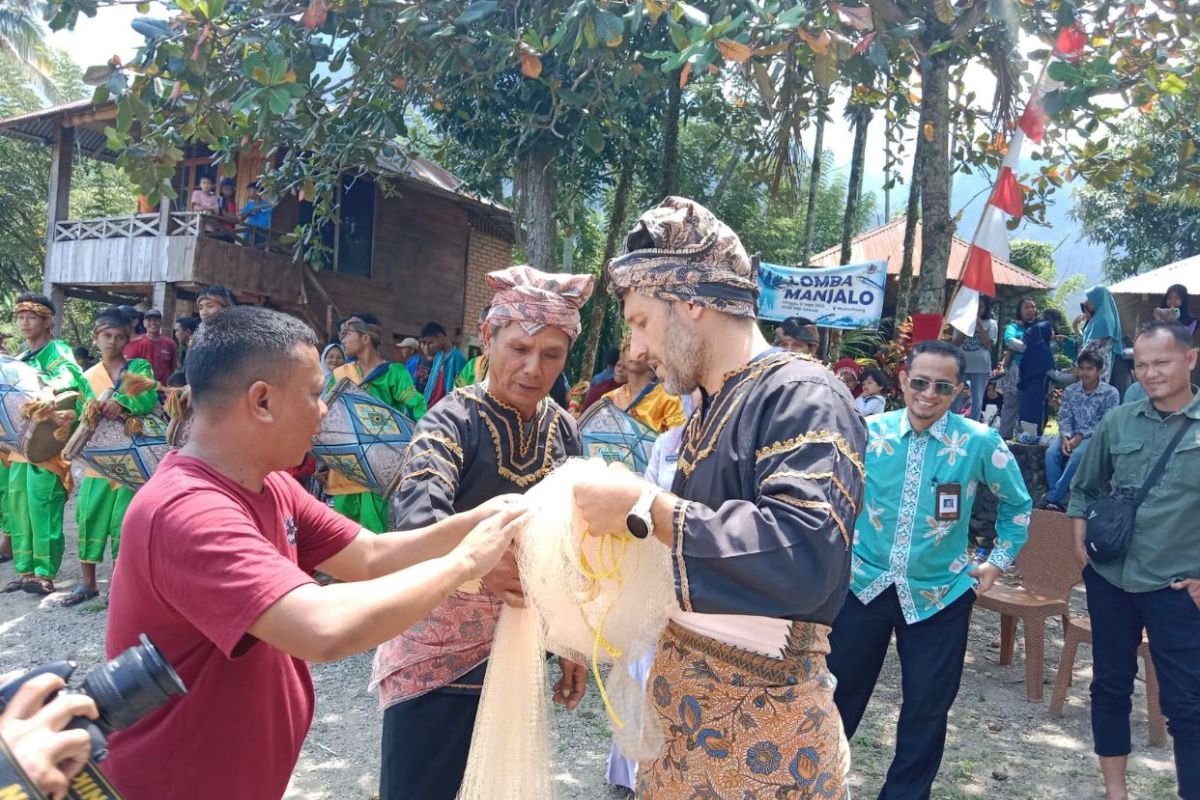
(834, 297)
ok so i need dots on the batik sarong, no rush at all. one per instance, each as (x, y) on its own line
(745, 726)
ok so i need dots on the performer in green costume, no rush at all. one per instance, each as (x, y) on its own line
(387, 381)
(100, 506)
(37, 493)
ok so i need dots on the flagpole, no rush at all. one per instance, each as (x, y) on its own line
(983, 215)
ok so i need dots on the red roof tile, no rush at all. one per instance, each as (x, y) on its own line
(887, 243)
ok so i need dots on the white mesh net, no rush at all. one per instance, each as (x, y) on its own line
(592, 599)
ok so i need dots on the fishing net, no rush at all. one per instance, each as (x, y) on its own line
(596, 600)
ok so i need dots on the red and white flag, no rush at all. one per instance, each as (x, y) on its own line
(1007, 199)
(991, 241)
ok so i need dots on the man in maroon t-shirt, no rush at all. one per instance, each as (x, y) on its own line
(159, 350)
(217, 555)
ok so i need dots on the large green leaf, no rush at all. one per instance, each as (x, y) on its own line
(480, 9)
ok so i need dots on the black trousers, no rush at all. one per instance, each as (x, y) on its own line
(931, 663)
(425, 745)
(1173, 622)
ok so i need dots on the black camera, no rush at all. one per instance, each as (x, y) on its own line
(125, 689)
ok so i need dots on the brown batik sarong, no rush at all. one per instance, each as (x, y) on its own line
(743, 726)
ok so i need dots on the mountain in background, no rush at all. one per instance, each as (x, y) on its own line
(1073, 254)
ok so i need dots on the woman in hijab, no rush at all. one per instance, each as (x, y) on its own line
(332, 357)
(1102, 332)
(1175, 307)
(1036, 365)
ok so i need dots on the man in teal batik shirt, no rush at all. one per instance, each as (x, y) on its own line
(911, 567)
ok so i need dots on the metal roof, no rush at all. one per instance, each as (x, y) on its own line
(887, 243)
(1185, 271)
(38, 126)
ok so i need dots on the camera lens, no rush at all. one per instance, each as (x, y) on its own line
(131, 686)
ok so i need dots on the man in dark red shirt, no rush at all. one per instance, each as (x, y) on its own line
(159, 350)
(218, 550)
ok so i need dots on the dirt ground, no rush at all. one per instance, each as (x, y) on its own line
(999, 746)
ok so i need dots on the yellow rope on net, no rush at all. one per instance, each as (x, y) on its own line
(609, 559)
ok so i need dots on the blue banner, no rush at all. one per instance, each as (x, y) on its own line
(833, 297)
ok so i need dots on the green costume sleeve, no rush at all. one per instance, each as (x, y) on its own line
(403, 394)
(140, 404)
(59, 370)
(467, 376)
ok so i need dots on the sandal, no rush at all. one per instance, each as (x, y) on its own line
(39, 585)
(14, 585)
(80, 594)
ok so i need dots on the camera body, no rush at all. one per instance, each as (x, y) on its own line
(125, 689)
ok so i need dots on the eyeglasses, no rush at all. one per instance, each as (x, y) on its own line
(944, 388)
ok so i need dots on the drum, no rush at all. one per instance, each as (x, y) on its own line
(611, 434)
(363, 439)
(34, 438)
(123, 450)
(19, 385)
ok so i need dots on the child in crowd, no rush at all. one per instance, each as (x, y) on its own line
(257, 214)
(872, 385)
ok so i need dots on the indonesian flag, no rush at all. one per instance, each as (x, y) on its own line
(991, 241)
(1007, 199)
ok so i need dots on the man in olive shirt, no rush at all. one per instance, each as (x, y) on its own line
(1156, 584)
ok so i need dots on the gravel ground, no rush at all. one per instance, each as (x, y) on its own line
(1000, 745)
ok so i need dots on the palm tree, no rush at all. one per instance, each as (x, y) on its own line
(860, 115)
(22, 39)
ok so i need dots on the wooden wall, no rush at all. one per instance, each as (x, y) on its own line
(246, 271)
(418, 266)
(140, 260)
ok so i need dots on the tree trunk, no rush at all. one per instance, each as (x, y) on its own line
(668, 170)
(862, 120)
(534, 198)
(937, 228)
(911, 219)
(814, 182)
(616, 226)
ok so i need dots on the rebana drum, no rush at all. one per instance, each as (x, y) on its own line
(124, 450)
(363, 439)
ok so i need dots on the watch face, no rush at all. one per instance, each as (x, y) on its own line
(637, 526)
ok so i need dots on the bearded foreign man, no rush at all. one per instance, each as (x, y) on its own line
(758, 522)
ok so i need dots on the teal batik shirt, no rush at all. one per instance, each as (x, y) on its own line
(897, 536)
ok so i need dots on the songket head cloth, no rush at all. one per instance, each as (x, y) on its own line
(535, 300)
(34, 307)
(592, 599)
(679, 250)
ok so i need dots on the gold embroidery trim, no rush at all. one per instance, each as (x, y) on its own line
(810, 476)
(416, 473)
(813, 437)
(684, 589)
(413, 457)
(440, 438)
(725, 402)
(820, 505)
(506, 465)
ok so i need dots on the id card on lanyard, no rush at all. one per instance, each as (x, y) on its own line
(949, 500)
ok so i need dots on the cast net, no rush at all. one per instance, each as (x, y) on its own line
(596, 600)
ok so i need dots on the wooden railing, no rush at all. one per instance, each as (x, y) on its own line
(179, 223)
(79, 230)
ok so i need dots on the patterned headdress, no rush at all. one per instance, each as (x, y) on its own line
(34, 307)
(679, 250)
(534, 299)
